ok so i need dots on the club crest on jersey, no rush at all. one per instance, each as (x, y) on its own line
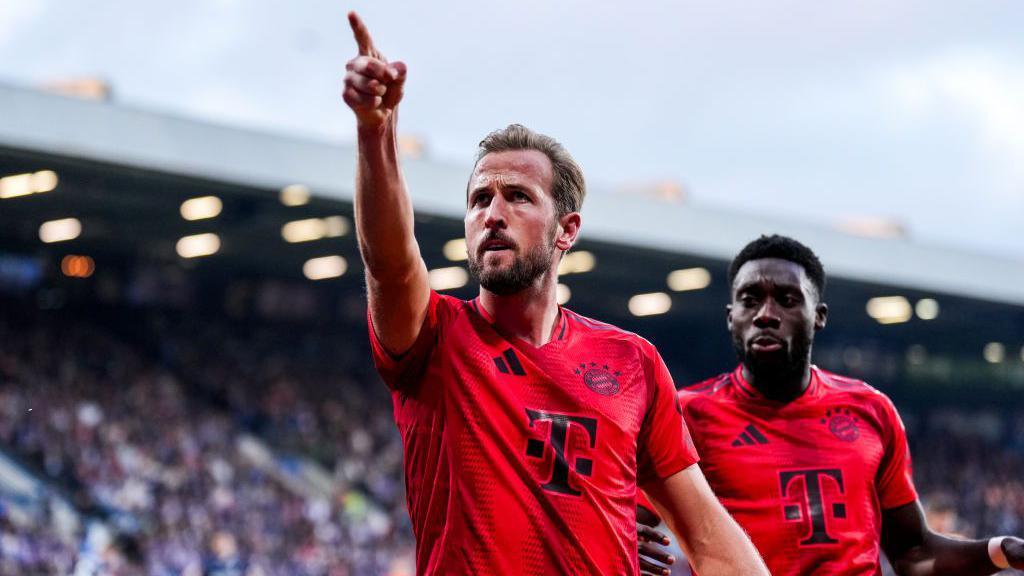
(842, 424)
(600, 378)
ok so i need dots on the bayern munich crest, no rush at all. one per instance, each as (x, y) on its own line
(842, 424)
(600, 378)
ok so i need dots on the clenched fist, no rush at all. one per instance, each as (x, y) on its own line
(373, 87)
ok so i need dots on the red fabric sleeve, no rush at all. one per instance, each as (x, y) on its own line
(895, 475)
(403, 372)
(665, 446)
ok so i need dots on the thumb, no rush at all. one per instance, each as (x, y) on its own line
(397, 86)
(398, 70)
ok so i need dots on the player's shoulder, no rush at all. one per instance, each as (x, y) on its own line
(853, 388)
(449, 306)
(590, 327)
(710, 387)
(713, 390)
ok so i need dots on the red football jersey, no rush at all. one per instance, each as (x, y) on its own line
(808, 479)
(526, 460)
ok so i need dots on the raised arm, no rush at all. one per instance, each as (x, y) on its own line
(396, 277)
(714, 543)
(915, 550)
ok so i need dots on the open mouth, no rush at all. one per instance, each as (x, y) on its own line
(495, 246)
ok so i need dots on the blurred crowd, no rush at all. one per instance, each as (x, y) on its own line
(138, 424)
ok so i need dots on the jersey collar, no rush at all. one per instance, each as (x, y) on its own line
(747, 390)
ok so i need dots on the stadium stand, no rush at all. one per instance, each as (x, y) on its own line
(163, 415)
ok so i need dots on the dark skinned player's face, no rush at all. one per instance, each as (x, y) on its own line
(773, 315)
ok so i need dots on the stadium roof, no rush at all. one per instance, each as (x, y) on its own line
(115, 134)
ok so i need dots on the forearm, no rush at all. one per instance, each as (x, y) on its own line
(940, 555)
(383, 209)
(713, 542)
(717, 545)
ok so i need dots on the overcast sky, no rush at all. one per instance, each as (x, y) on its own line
(822, 110)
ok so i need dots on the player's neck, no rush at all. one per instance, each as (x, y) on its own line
(781, 387)
(530, 314)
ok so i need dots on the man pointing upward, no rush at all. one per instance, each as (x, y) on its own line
(527, 428)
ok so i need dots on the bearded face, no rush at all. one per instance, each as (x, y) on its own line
(505, 274)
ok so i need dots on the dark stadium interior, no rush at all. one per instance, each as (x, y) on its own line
(181, 359)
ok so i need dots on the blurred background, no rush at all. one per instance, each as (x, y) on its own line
(185, 382)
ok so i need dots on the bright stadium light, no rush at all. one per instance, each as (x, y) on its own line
(44, 181)
(76, 266)
(295, 195)
(562, 294)
(304, 230)
(448, 278)
(994, 352)
(889, 309)
(577, 262)
(325, 267)
(201, 208)
(335, 226)
(198, 245)
(29, 183)
(650, 304)
(455, 250)
(927, 309)
(60, 230)
(689, 279)
(314, 229)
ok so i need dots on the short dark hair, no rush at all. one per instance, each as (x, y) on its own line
(783, 248)
(567, 187)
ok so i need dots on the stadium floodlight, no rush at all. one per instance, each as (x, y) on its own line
(562, 294)
(335, 226)
(890, 309)
(29, 183)
(650, 304)
(198, 245)
(314, 229)
(994, 352)
(927, 309)
(295, 195)
(455, 250)
(325, 267)
(201, 208)
(60, 230)
(689, 279)
(77, 266)
(448, 278)
(577, 262)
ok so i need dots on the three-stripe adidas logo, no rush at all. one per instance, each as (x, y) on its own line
(509, 361)
(750, 436)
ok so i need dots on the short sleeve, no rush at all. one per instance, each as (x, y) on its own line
(665, 446)
(895, 475)
(404, 371)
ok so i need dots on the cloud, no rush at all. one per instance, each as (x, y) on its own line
(983, 91)
(16, 17)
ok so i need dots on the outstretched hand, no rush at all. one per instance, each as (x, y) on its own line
(373, 87)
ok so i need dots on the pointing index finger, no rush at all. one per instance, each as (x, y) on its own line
(362, 35)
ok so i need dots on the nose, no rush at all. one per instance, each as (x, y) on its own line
(495, 215)
(767, 315)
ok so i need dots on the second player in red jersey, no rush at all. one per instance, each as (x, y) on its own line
(813, 465)
(807, 479)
